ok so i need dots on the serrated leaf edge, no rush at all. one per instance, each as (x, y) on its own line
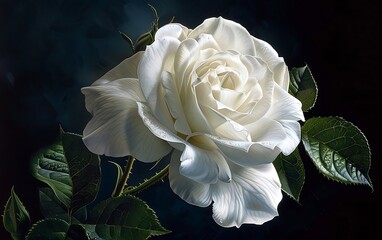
(40, 221)
(367, 177)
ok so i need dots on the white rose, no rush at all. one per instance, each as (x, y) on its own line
(216, 97)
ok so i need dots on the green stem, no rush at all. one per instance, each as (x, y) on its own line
(121, 185)
(149, 182)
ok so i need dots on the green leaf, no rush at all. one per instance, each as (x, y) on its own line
(303, 86)
(124, 217)
(76, 232)
(48, 229)
(70, 170)
(338, 149)
(291, 173)
(51, 207)
(84, 169)
(16, 218)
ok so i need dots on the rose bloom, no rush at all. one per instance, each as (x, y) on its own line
(214, 97)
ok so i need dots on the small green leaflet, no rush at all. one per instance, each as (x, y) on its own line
(303, 86)
(16, 218)
(124, 217)
(338, 149)
(70, 170)
(291, 173)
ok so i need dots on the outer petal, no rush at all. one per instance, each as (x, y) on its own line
(228, 34)
(174, 30)
(247, 154)
(285, 106)
(251, 197)
(293, 136)
(116, 128)
(126, 69)
(266, 134)
(204, 166)
(190, 191)
(275, 63)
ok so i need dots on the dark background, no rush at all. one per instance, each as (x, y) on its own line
(50, 49)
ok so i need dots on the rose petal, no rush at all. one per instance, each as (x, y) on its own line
(157, 128)
(207, 41)
(126, 69)
(116, 129)
(204, 166)
(174, 30)
(185, 58)
(190, 191)
(157, 58)
(228, 34)
(251, 197)
(263, 105)
(285, 106)
(224, 126)
(262, 150)
(275, 63)
(174, 104)
(293, 136)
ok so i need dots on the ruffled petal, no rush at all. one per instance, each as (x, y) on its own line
(250, 154)
(157, 128)
(126, 69)
(275, 63)
(293, 136)
(174, 30)
(201, 165)
(186, 56)
(252, 196)
(228, 34)
(157, 58)
(285, 106)
(174, 104)
(204, 166)
(116, 129)
(192, 192)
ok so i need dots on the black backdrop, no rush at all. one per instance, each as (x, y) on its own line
(50, 49)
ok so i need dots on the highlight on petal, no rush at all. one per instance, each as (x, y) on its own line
(116, 129)
(266, 136)
(275, 63)
(126, 69)
(157, 128)
(251, 197)
(285, 106)
(228, 34)
(192, 192)
(174, 30)
(157, 58)
(247, 154)
(174, 104)
(204, 166)
(185, 58)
